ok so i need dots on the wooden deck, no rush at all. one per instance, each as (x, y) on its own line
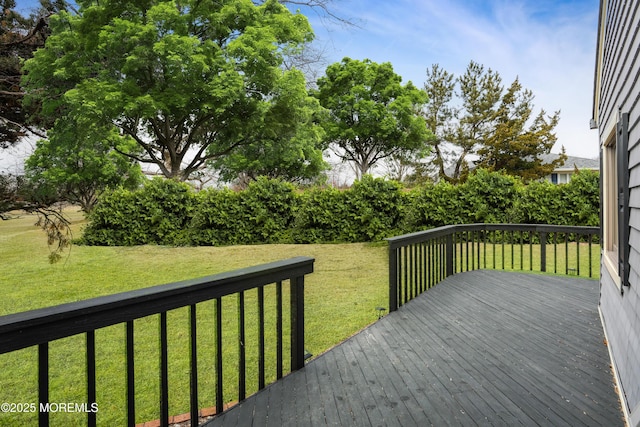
(480, 348)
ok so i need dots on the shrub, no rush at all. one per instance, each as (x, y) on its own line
(488, 197)
(370, 210)
(263, 213)
(115, 221)
(539, 203)
(433, 205)
(157, 213)
(270, 211)
(373, 208)
(320, 216)
(580, 199)
(217, 219)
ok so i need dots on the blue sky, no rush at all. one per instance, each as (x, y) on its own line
(549, 45)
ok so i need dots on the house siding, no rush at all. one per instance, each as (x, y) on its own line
(619, 91)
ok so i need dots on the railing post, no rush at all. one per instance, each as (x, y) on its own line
(543, 251)
(297, 323)
(393, 279)
(449, 254)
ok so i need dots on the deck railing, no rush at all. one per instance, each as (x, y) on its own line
(40, 327)
(420, 260)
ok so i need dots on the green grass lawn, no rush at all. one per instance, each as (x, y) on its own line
(349, 282)
(581, 259)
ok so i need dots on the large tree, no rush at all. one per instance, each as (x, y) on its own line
(20, 36)
(372, 116)
(481, 119)
(189, 81)
(292, 153)
(77, 163)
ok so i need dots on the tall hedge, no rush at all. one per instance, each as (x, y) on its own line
(271, 211)
(159, 212)
(370, 210)
(263, 213)
(581, 199)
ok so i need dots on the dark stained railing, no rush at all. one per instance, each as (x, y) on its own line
(40, 327)
(420, 260)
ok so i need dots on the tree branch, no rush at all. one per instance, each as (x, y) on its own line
(42, 23)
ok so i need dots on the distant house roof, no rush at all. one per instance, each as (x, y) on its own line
(572, 162)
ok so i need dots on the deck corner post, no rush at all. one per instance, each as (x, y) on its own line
(449, 255)
(297, 323)
(393, 279)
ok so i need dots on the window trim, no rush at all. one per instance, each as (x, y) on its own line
(609, 209)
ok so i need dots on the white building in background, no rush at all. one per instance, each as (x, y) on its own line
(562, 174)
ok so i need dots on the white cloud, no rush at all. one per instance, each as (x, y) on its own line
(549, 45)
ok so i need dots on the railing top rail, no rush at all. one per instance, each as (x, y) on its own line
(420, 236)
(33, 327)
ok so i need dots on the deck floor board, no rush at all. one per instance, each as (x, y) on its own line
(481, 348)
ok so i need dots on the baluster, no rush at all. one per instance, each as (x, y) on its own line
(522, 251)
(131, 393)
(512, 253)
(493, 244)
(164, 371)
(566, 253)
(261, 337)
(91, 377)
(410, 290)
(219, 383)
(193, 353)
(543, 251)
(416, 271)
(502, 235)
(590, 258)
(297, 322)
(555, 253)
(43, 383)
(467, 249)
(242, 357)
(279, 330)
(578, 253)
(430, 260)
(531, 251)
(423, 266)
(405, 294)
(484, 247)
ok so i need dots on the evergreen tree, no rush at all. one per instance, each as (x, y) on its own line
(481, 119)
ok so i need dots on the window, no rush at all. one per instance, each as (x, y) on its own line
(615, 195)
(554, 178)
